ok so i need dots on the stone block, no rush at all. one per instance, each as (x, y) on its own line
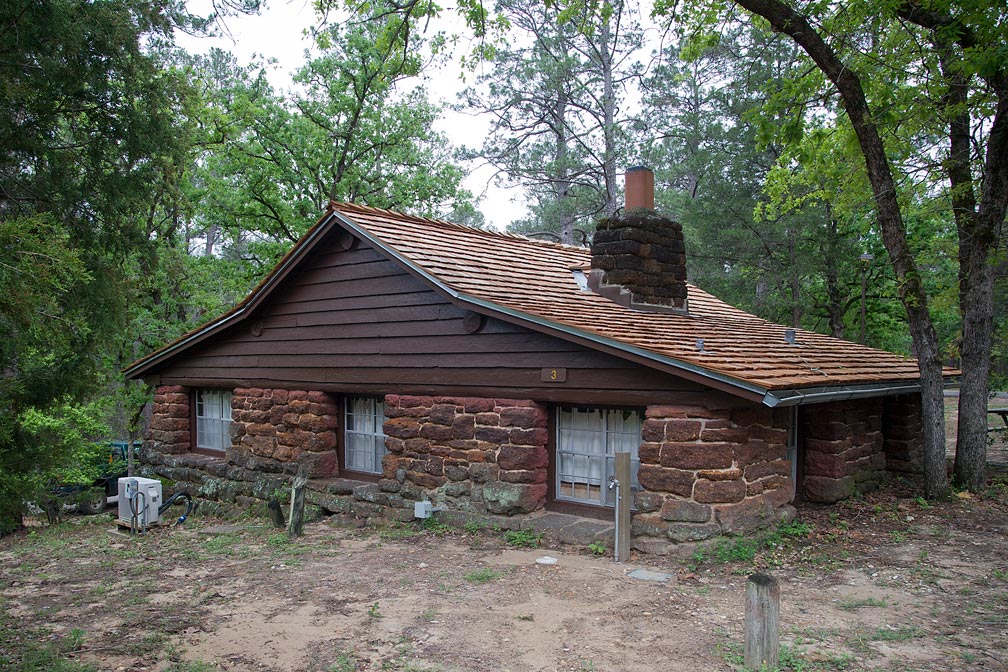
(442, 414)
(697, 455)
(413, 401)
(523, 417)
(653, 429)
(524, 476)
(456, 472)
(760, 469)
(434, 432)
(478, 405)
(716, 492)
(661, 479)
(529, 437)
(494, 435)
(646, 502)
(750, 514)
(683, 511)
(483, 472)
(648, 525)
(512, 498)
(522, 457)
(370, 492)
(488, 419)
(665, 412)
(463, 426)
(682, 430)
(720, 474)
(828, 490)
(389, 485)
(649, 453)
(425, 480)
(684, 532)
(829, 465)
(727, 435)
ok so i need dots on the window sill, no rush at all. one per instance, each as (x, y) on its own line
(597, 511)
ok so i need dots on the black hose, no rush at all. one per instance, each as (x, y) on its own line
(181, 494)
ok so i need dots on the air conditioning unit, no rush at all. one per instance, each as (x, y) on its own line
(139, 497)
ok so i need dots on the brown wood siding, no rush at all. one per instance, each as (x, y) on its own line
(353, 321)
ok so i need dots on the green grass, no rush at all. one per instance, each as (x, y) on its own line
(482, 575)
(194, 666)
(26, 650)
(855, 603)
(345, 662)
(745, 549)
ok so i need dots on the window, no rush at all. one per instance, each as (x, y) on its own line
(213, 419)
(365, 439)
(587, 442)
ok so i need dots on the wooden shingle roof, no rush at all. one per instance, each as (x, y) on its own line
(530, 282)
(533, 279)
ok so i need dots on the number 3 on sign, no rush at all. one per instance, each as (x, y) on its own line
(554, 375)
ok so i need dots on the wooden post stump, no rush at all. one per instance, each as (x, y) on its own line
(296, 521)
(762, 622)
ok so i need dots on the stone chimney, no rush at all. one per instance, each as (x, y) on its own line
(638, 256)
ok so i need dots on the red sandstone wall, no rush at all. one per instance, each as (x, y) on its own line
(478, 454)
(709, 471)
(902, 431)
(285, 426)
(843, 448)
(169, 427)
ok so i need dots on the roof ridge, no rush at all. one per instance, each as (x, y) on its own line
(336, 205)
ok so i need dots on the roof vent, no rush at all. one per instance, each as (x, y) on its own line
(700, 344)
(789, 337)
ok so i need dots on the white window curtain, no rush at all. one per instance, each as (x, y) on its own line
(213, 419)
(364, 441)
(587, 442)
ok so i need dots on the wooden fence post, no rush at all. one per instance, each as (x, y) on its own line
(762, 622)
(296, 520)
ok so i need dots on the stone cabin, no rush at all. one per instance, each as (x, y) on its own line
(393, 358)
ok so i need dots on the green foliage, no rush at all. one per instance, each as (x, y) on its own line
(596, 548)
(523, 538)
(89, 148)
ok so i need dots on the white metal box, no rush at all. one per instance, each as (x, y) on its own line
(144, 504)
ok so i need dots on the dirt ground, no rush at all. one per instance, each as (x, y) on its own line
(885, 582)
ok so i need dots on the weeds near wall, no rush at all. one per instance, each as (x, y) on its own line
(523, 538)
(744, 549)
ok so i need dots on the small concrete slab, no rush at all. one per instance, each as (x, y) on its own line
(649, 575)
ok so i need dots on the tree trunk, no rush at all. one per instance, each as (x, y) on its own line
(911, 290)
(609, 120)
(560, 181)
